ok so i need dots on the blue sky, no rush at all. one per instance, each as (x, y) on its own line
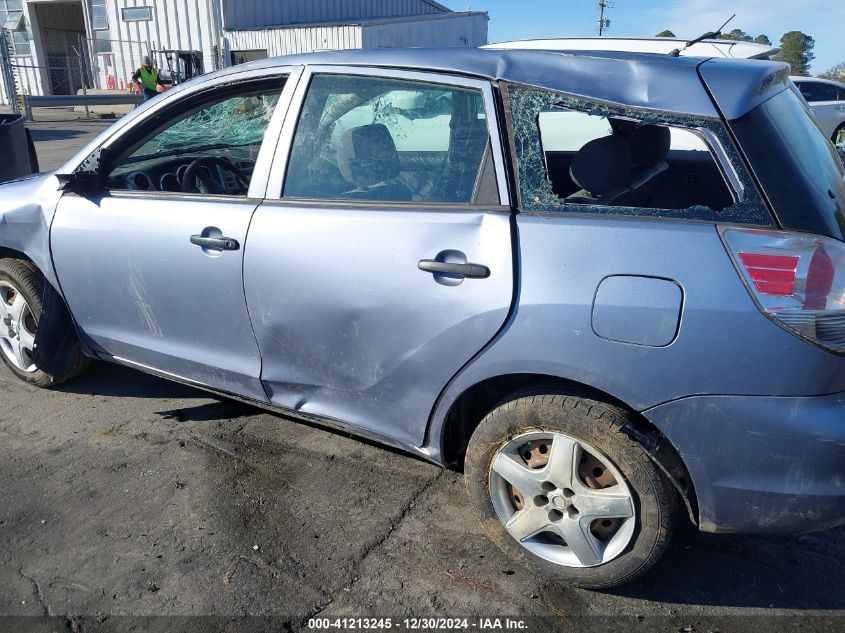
(518, 19)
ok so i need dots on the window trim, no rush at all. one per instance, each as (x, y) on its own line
(278, 171)
(103, 26)
(17, 49)
(719, 153)
(258, 182)
(148, 13)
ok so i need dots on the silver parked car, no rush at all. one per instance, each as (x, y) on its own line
(827, 101)
(610, 287)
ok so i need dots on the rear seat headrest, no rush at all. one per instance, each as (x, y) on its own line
(602, 165)
(650, 145)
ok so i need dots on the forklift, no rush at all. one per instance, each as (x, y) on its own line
(182, 65)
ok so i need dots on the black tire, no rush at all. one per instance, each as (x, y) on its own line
(27, 280)
(598, 425)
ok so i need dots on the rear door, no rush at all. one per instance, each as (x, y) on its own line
(384, 263)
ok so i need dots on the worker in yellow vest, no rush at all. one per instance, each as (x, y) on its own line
(147, 79)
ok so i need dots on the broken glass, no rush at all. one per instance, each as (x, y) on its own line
(537, 191)
(239, 121)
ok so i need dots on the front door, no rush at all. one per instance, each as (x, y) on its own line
(387, 262)
(152, 267)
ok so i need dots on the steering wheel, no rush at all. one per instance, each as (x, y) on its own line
(198, 177)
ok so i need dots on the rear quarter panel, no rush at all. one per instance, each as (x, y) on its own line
(724, 344)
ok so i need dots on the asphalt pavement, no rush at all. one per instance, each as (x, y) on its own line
(124, 497)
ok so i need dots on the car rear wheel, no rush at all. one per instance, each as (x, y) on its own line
(561, 488)
(21, 289)
(839, 136)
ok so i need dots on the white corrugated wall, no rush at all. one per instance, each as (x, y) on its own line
(26, 70)
(250, 14)
(460, 29)
(453, 29)
(176, 24)
(290, 41)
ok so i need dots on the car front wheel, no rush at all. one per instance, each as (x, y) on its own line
(561, 488)
(21, 290)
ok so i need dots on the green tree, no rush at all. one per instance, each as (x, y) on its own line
(737, 35)
(666, 33)
(836, 73)
(796, 49)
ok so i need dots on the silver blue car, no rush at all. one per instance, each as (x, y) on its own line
(610, 287)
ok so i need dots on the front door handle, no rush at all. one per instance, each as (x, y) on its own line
(470, 271)
(216, 243)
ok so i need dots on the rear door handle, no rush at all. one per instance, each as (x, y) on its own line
(470, 271)
(216, 243)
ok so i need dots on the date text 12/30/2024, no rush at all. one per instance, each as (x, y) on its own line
(418, 624)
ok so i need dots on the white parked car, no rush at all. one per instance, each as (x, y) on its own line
(827, 101)
(729, 49)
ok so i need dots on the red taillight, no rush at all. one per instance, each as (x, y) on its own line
(797, 279)
(772, 274)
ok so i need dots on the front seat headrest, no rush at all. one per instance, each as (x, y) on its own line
(650, 145)
(367, 155)
(602, 165)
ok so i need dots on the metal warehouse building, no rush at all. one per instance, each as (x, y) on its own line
(59, 46)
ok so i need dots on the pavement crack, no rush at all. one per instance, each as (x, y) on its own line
(38, 593)
(376, 543)
(406, 508)
(214, 448)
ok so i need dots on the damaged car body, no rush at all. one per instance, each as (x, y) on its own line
(608, 286)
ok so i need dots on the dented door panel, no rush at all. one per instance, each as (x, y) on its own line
(348, 325)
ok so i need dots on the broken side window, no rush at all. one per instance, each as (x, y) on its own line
(219, 134)
(583, 157)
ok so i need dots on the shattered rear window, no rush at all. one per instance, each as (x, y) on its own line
(558, 173)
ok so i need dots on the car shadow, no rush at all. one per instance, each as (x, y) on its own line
(118, 381)
(750, 571)
(802, 572)
(108, 379)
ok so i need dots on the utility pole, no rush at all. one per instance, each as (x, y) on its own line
(604, 23)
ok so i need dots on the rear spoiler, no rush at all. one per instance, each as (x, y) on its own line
(739, 86)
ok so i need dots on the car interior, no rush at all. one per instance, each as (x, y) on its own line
(632, 165)
(365, 138)
(211, 148)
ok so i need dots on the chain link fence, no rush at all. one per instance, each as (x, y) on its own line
(85, 66)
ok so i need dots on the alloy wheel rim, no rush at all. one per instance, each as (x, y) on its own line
(17, 328)
(561, 499)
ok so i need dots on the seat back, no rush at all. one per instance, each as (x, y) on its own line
(601, 168)
(650, 146)
(367, 158)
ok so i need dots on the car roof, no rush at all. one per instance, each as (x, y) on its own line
(729, 49)
(642, 80)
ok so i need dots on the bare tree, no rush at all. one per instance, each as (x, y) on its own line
(837, 72)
